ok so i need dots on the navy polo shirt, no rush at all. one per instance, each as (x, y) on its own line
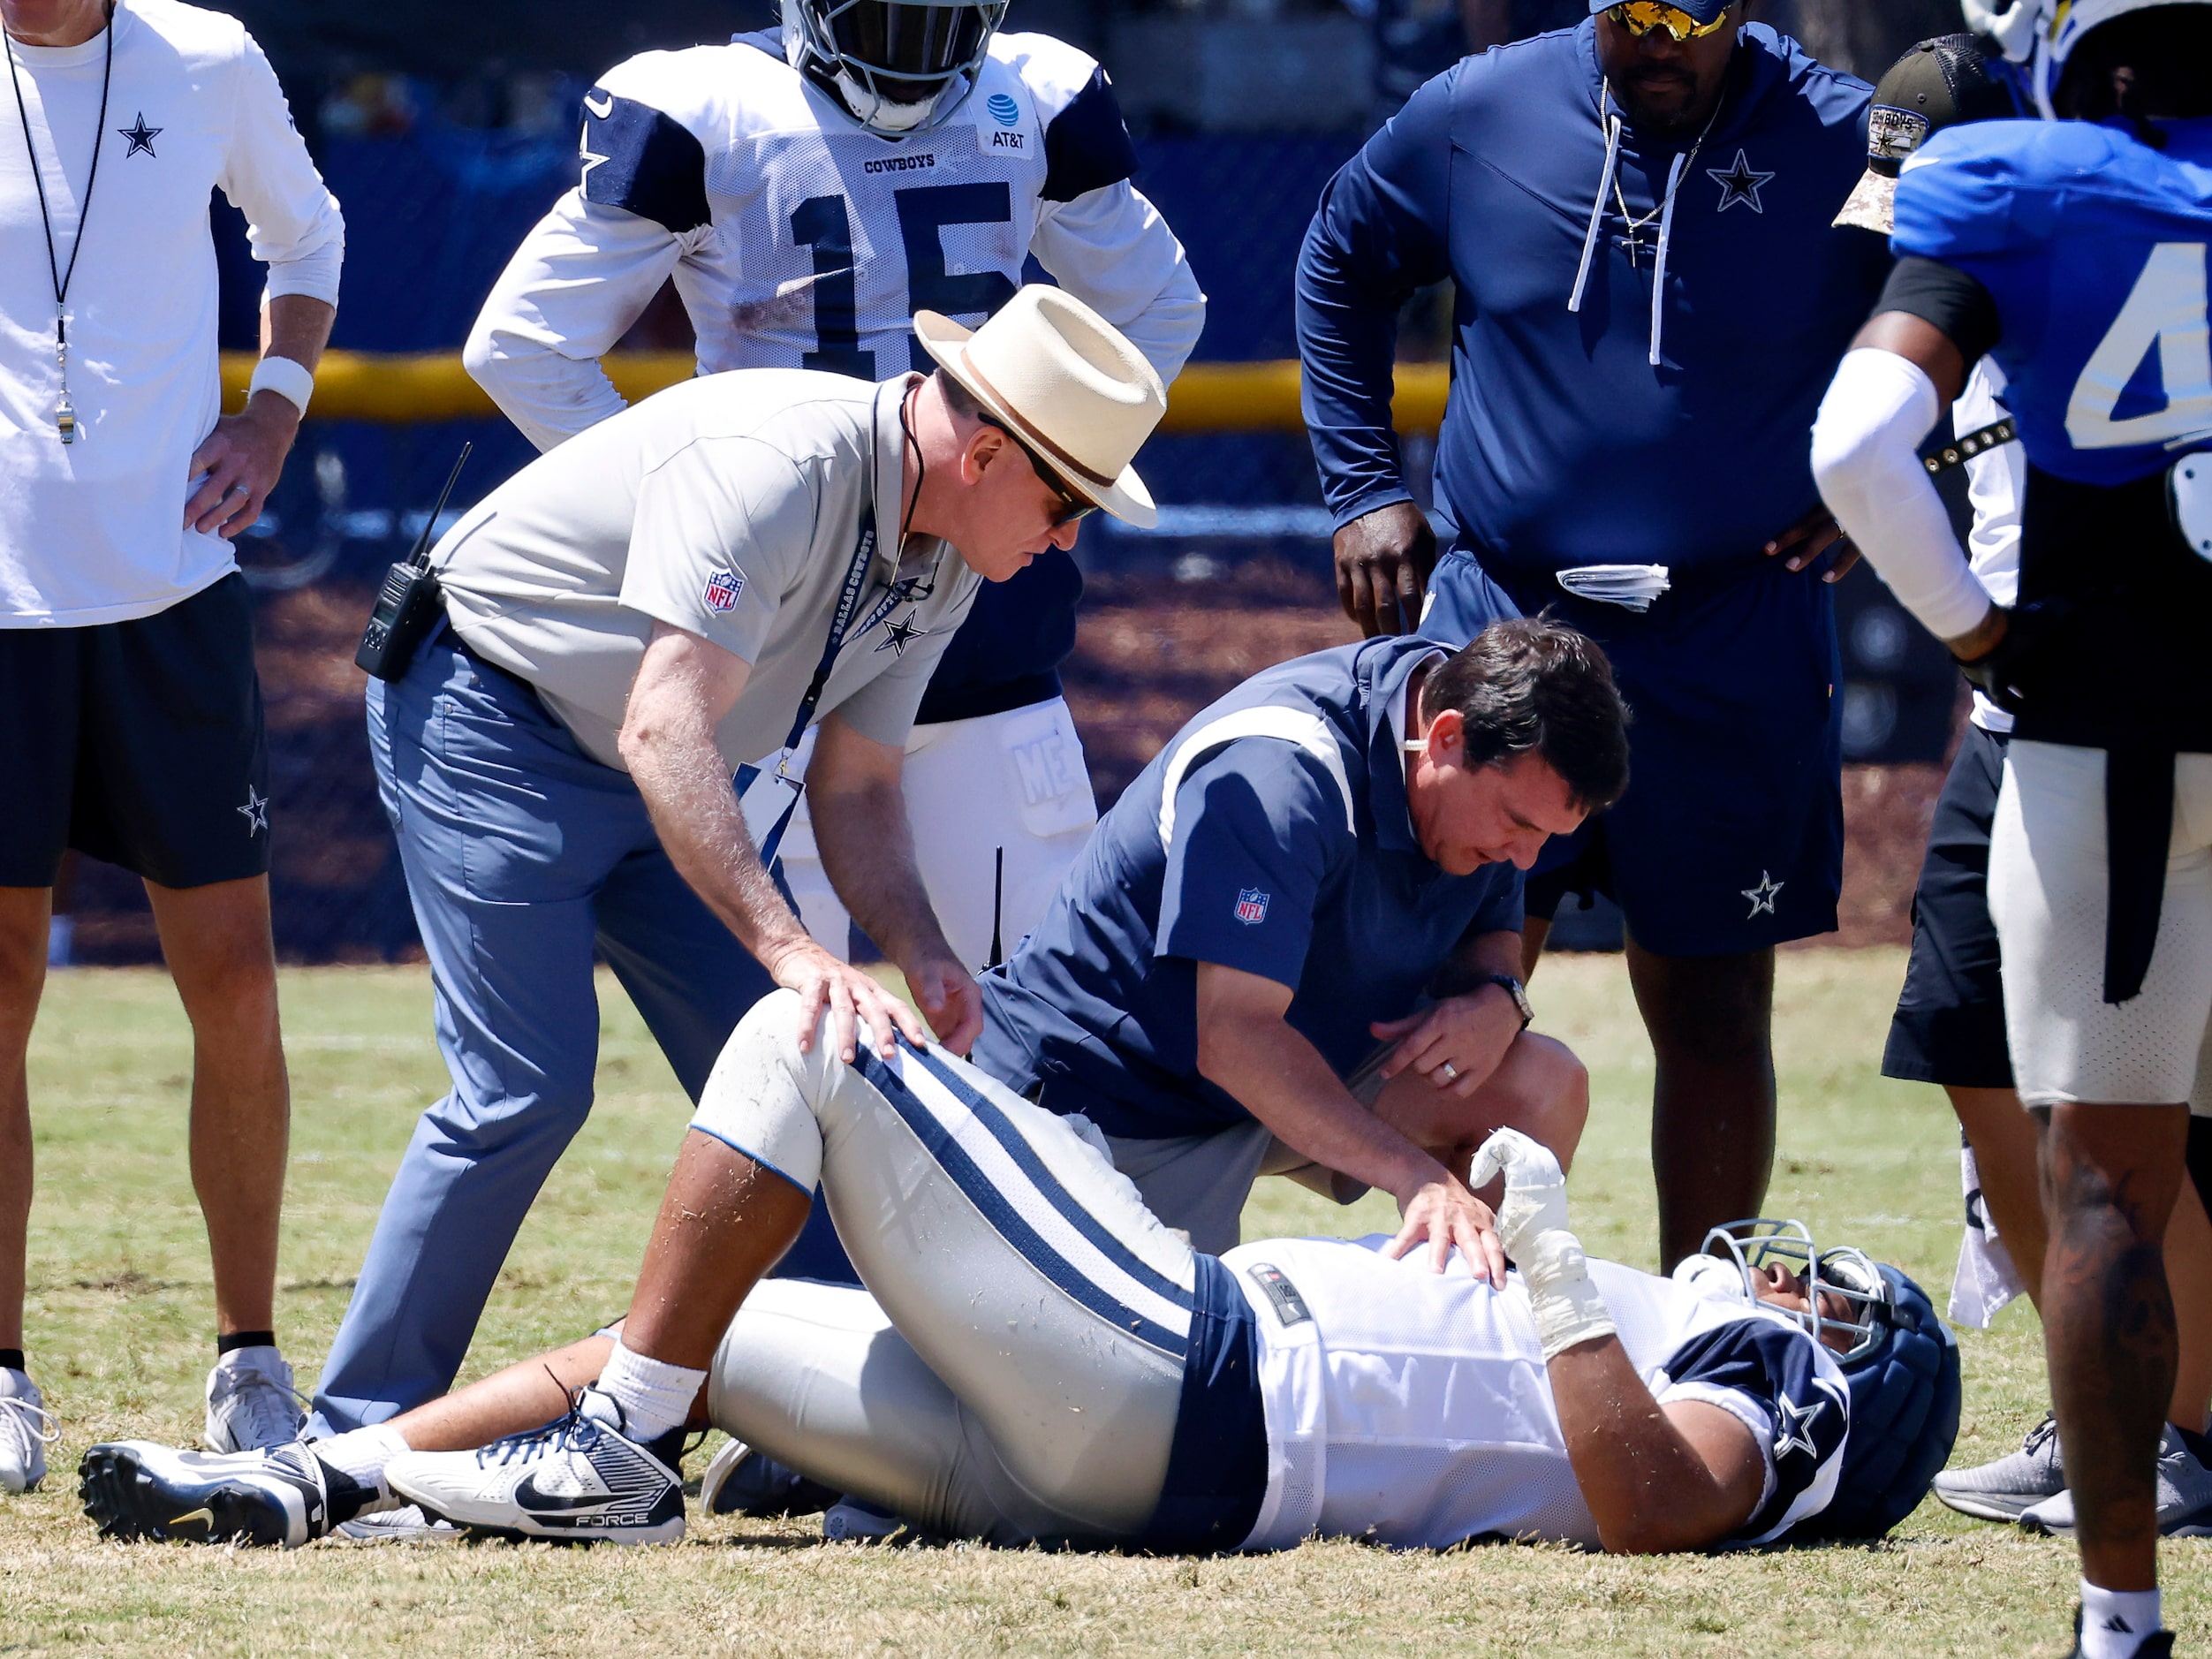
(1288, 851)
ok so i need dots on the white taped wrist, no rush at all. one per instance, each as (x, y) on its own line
(1565, 1300)
(1878, 410)
(292, 381)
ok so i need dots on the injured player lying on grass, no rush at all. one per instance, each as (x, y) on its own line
(1037, 1358)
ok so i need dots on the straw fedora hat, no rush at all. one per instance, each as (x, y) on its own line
(1064, 380)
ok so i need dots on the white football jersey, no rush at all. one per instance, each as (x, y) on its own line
(1415, 1408)
(798, 239)
(809, 241)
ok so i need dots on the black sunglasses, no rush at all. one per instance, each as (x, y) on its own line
(1073, 506)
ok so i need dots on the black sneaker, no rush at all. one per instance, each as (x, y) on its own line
(136, 1490)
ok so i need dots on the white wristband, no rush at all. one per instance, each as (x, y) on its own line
(293, 382)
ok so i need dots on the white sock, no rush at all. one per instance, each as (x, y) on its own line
(2114, 1622)
(362, 1454)
(654, 1396)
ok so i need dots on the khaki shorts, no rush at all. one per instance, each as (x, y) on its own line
(2047, 895)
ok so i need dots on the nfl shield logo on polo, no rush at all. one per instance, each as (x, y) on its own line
(1251, 906)
(722, 588)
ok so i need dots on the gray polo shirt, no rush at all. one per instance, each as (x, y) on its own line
(729, 506)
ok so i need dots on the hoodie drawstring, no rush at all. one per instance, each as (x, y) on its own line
(1597, 212)
(1608, 184)
(1666, 234)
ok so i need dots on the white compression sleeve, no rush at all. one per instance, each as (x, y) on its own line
(1878, 410)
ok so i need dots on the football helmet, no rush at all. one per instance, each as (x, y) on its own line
(2043, 33)
(1901, 1365)
(900, 66)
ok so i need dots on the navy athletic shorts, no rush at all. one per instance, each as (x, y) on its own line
(137, 742)
(1948, 1028)
(1731, 837)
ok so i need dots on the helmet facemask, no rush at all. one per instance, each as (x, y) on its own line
(900, 68)
(1840, 1271)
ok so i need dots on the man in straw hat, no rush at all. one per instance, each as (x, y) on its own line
(684, 589)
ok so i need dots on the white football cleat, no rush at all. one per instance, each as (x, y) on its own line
(577, 1480)
(27, 1428)
(136, 1490)
(252, 1405)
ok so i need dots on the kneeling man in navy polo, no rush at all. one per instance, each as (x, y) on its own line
(1292, 947)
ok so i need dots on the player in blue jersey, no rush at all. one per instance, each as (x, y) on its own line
(807, 192)
(1651, 295)
(2074, 255)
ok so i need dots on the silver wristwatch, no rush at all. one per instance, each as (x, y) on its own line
(1518, 991)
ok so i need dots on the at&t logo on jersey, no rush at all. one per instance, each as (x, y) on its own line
(1251, 906)
(722, 588)
(1007, 113)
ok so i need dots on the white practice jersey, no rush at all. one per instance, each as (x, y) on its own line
(1415, 1408)
(1996, 484)
(93, 532)
(799, 239)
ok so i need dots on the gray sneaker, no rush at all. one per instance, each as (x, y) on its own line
(2002, 1489)
(406, 1524)
(2184, 1495)
(252, 1405)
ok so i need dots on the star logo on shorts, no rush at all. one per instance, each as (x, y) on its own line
(1739, 183)
(1763, 897)
(256, 812)
(141, 137)
(1796, 1426)
(900, 633)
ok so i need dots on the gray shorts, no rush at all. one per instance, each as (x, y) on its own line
(1198, 1183)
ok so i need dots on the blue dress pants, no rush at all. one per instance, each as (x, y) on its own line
(522, 856)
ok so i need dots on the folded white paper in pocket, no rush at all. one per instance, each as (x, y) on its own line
(1633, 585)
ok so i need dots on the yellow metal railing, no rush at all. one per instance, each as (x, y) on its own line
(400, 387)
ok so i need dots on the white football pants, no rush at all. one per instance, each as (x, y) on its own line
(2047, 875)
(1014, 1369)
(999, 804)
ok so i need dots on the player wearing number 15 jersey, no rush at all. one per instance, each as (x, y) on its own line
(808, 192)
(2073, 254)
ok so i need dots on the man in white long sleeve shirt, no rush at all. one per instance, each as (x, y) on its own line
(808, 191)
(129, 716)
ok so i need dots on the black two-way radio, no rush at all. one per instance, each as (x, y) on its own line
(410, 602)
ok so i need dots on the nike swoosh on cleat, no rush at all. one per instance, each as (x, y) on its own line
(602, 110)
(200, 1514)
(529, 1497)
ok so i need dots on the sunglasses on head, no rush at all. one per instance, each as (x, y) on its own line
(1073, 506)
(1640, 16)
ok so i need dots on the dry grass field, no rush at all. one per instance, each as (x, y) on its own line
(120, 1337)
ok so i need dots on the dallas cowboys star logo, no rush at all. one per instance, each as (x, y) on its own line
(141, 137)
(1796, 1423)
(899, 633)
(1763, 897)
(256, 812)
(1739, 183)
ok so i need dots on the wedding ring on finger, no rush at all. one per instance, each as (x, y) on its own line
(1449, 1071)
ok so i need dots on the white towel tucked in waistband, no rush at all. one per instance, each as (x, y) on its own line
(1633, 585)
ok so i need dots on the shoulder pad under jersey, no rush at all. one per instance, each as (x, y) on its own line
(1087, 144)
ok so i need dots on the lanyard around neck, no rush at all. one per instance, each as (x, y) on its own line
(62, 276)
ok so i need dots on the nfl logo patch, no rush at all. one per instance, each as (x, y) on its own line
(1251, 906)
(722, 589)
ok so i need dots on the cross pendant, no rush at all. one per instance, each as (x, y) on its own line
(1633, 244)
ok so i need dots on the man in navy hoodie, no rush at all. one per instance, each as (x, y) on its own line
(1650, 297)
